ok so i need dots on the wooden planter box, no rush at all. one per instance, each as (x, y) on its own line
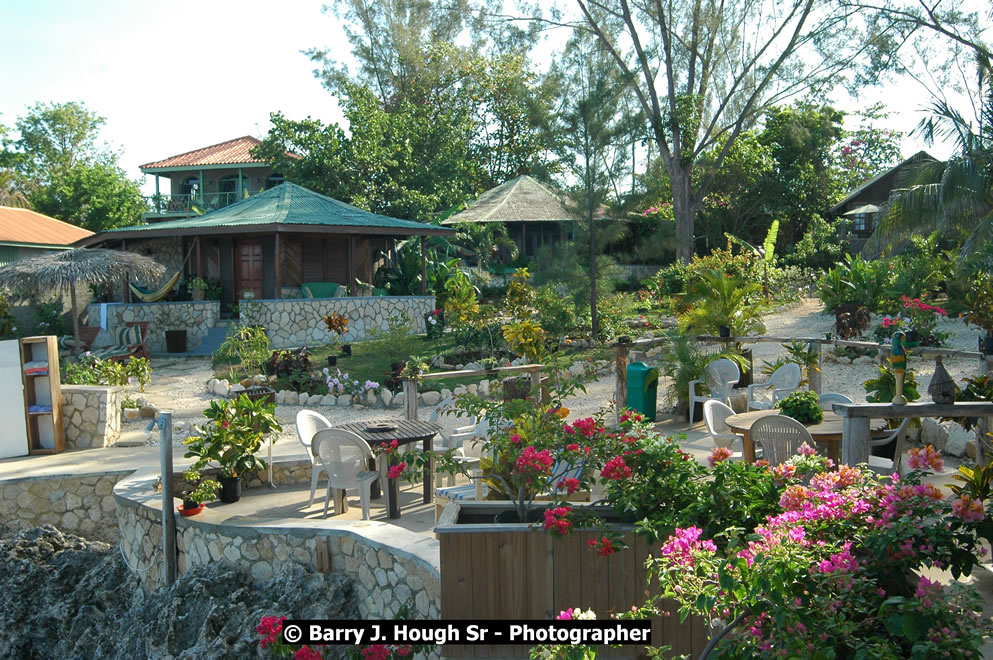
(514, 571)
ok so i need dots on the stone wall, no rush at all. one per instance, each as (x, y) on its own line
(299, 322)
(91, 415)
(81, 504)
(197, 318)
(391, 566)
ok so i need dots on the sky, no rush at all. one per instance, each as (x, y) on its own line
(173, 77)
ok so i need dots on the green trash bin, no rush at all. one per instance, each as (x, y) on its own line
(643, 386)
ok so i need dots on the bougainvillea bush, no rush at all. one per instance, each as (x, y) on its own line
(803, 559)
(836, 572)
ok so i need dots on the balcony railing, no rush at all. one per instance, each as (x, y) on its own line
(192, 204)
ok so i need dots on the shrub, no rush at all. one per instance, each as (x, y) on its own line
(803, 406)
(554, 312)
(8, 325)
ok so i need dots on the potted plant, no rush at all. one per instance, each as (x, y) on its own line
(229, 440)
(248, 294)
(202, 491)
(979, 299)
(197, 288)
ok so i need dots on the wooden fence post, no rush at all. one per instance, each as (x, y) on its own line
(410, 399)
(621, 382)
(814, 372)
(855, 440)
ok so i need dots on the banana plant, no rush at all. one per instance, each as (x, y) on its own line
(766, 254)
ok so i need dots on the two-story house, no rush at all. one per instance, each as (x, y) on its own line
(207, 179)
(862, 205)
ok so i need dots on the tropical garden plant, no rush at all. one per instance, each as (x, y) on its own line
(718, 300)
(802, 406)
(234, 432)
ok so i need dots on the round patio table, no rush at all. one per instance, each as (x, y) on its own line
(828, 431)
(405, 433)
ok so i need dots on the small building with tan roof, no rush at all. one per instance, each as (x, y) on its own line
(25, 233)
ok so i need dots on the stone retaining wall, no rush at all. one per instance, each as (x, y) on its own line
(91, 415)
(391, 566)
(197, 318)
(300, 322)
(81, 504)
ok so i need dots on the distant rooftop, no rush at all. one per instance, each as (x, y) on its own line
(519, 200)
(33, 228)
(232, 152)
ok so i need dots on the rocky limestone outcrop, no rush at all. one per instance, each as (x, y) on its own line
(63, 596)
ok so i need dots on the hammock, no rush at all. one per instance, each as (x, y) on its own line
(155, 296)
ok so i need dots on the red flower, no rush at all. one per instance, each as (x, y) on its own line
(570, 485)
(307, 653)
(397, 470)
(615, 469)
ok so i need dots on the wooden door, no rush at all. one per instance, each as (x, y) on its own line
(248, 267)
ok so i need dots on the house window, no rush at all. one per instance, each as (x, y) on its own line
(861, 222)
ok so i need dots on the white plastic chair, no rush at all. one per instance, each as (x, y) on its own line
(309, 423)
(720, 376)
(453, 439)
(828, 399)
(887, 466)
(714, 415)
(780, 437)
(784, 381)
(345, 457)
(472, 451)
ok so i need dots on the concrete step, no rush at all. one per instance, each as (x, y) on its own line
(213, 340)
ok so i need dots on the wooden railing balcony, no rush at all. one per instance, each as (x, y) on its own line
(192, 204)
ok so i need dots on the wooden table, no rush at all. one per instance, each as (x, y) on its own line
(406, 432)
(829, 431)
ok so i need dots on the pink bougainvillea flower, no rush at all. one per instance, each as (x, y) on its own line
(570, 485)
(681, 546)
(719, 455)
(307, 653)
(269, 628)
(556, 520)
(968, 509)
(397, 470)
(926, 459)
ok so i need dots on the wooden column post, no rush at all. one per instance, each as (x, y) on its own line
(410, 399)
(855, 440)
(351, 264)
(278, 250)
(126, 292)
(620, 382)
(424, 269)
(814, 372)
(199, 259)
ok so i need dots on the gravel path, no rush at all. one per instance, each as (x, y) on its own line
(179, 384)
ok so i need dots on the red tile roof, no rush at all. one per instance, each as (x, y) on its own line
(232, 152)
(26, 226)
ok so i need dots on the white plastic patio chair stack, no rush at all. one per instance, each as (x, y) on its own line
(780, 437)
(720, 376)
(472, 450)
(714, 415)
(828, 399)
(453, 438)
(309, 423)
(345, 457)
(887, 466)
(784, 381)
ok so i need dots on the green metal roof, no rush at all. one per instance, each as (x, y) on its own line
(282, 206)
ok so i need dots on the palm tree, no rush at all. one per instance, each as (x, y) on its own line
(10, 192)
(956, 197)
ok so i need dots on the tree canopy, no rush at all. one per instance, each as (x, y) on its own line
(57, 165)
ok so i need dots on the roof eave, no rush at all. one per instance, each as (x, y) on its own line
(186, 168)
(282, 228)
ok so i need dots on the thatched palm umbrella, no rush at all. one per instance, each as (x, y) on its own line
(69, 268)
